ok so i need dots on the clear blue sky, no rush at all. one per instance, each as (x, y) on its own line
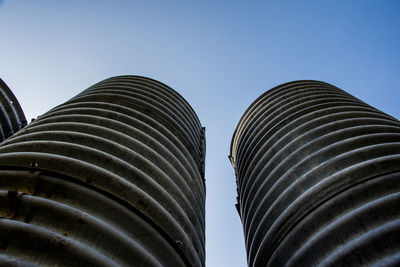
(219, 55)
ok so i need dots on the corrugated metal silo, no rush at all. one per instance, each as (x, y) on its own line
(318, 178)
(114, 176)
(12, 118)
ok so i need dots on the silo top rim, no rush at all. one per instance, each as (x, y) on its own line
(242, 120)
(157, 82)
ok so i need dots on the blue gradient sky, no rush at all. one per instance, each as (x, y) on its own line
(219, 55)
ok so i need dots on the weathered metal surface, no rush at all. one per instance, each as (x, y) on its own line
(318, 177)
(117, 171)
(12, 118)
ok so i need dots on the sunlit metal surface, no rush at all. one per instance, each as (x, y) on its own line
(318, 177)
(114, 176)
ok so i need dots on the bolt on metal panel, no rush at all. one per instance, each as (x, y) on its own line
(114, 176)
(318, 179)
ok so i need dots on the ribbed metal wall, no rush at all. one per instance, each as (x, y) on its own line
(12, 118)
(318, 177)
(115, 176)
